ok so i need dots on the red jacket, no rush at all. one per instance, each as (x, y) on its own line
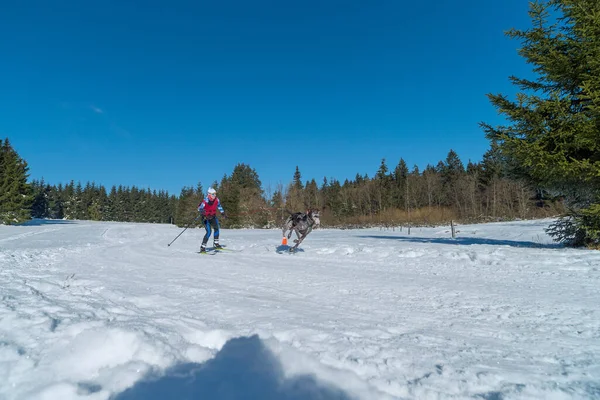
(209, 208)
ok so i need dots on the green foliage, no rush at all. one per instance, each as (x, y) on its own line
(589, 222)
(90, 202)
(452, 168)
(400, 178)
(294, 199)
(297, 179)
(276, 200)
(382, 172)
(40, 204)
(578, 228)
(187, 206)
(554, 132)
(357, 202)
(16, 195)
(242, 198)
(311, 194)
(229, 196)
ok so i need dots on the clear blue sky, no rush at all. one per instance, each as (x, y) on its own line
(166, 94)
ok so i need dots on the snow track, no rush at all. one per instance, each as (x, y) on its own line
(107, 310)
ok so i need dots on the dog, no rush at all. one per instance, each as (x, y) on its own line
(302, 223)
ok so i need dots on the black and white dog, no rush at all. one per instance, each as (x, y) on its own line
(302, 223)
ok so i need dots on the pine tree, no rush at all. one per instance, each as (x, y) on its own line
(16, 195)
(187, 206)
(554, 131)
(453, 168)
(400, 180)
(384, 186)
(297, 180)
(67, 196)
(55, 202)
(77, 202)
(97, 207)
(311, 194)
(40, 204)
(231, 200)
(333, 199)
(295, 194)
(277, 200)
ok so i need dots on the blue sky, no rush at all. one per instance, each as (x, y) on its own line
(166, 94)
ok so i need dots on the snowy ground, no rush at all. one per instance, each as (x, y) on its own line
(108, 311)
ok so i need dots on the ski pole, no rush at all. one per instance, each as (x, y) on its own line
(188, 225)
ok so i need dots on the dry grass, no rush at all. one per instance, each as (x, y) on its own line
(427, 216)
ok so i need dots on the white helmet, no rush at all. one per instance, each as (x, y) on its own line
(212, 191)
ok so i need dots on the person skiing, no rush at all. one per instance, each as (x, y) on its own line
(208, 210)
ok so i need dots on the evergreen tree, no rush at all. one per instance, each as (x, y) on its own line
(55, 201)
(295, 194)
(453, 168)
(68, 197)
(231, 198)
(243, 198)
(400, 180)
(79, 209)
(187, 206)
(297, 180)
(16, 195)
(311, 194)
(554, 128)
(358, 179)
(97, 207)
(110, 211)
(332, 194)
(382, 171)
(277, 200)
(40, 204)
(383, 187)
(136, 206)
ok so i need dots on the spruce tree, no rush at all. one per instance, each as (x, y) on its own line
(185, 214)
(230, 196)
(400, 177)
(55, 202)
(553, 134)
(294, 200)
(277, 200)
(384, 185)
(40, 204)
(16, 195)
(187, 206)
(311, 194)
(297, 180)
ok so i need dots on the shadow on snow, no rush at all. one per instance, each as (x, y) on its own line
(284, 248)
(39, 222)
(469, 241)
(243, 369)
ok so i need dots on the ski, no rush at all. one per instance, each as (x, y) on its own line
(212, 251)
(208, 252)
(224, 249)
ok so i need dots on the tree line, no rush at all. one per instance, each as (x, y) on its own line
(545, 161)
(393, 196)
(93, 202)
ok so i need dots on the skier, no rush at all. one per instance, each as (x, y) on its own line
(208, 210)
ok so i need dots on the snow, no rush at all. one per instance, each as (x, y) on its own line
(92, 310)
